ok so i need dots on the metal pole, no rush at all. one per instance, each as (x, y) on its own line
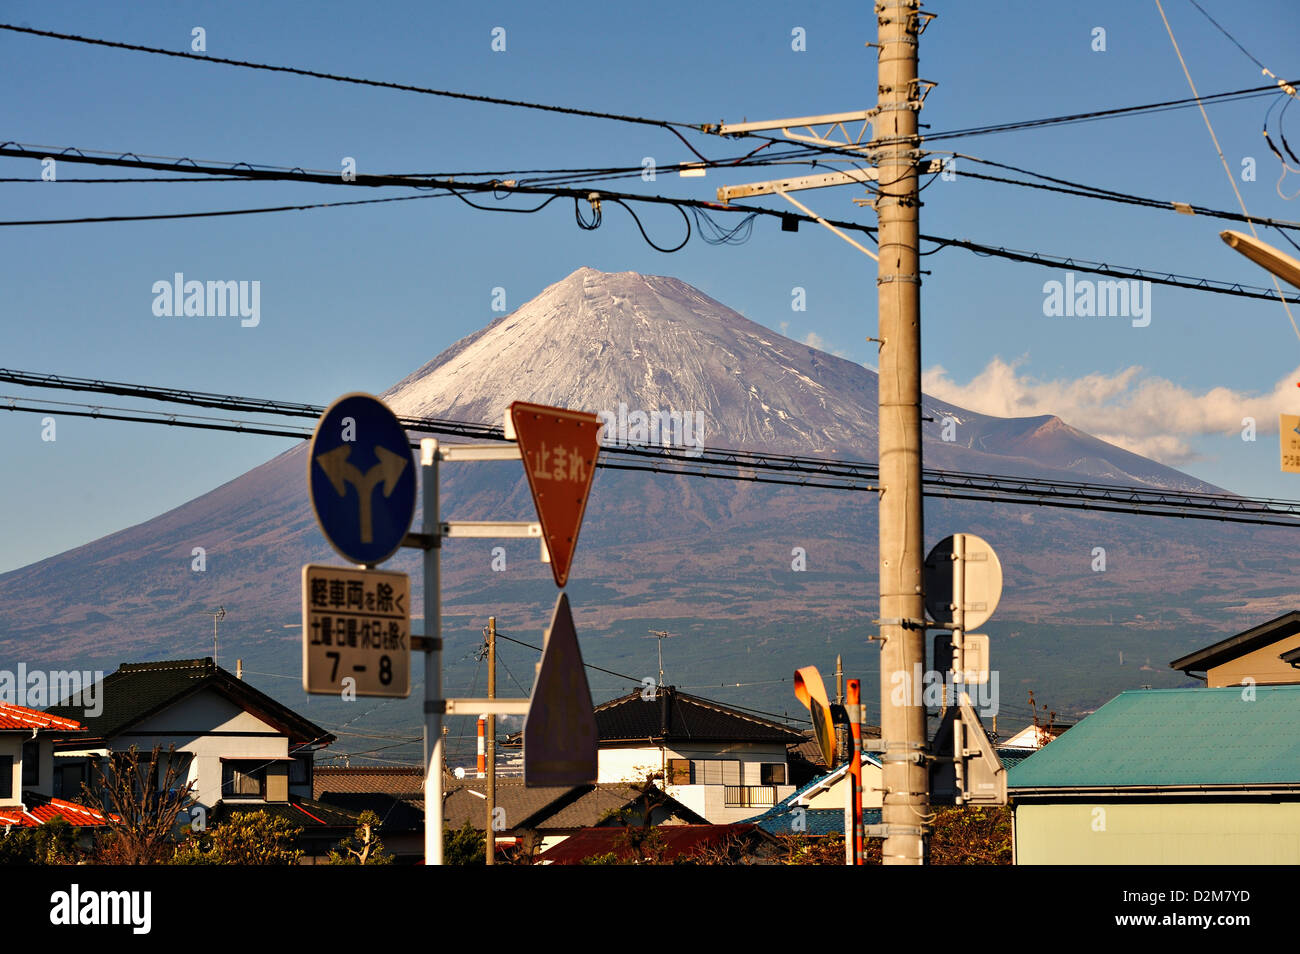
(902, 609)
(489, 833)
(433, 701)
(958, 662)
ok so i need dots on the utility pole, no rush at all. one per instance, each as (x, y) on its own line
(489, 839)
(896, 154)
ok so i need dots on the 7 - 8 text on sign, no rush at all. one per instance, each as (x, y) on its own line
(356, 631)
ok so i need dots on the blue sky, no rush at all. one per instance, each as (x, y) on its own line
(356, 298)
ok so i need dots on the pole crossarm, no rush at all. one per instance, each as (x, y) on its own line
(796, 183)
(801, 128)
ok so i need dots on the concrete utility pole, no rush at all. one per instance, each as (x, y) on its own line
(489, 833)
(896, 153)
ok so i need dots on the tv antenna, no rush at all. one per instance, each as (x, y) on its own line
(661, 635)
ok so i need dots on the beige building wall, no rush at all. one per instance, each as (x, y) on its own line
(1262, 665)
(1157, 833)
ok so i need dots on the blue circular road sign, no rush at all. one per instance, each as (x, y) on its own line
(361, 476)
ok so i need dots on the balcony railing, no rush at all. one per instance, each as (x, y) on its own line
(749, 796)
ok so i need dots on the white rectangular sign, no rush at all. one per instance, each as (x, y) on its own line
(356, 632)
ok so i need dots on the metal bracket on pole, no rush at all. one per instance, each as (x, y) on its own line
(491, 528)
(479, 452)
(485, 706)
(885, 831)
(809, 212)
(904, 622)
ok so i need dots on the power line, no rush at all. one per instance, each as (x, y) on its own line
(1038, 258)
(85, 220)
(1096, 192)
(1253, 92)
(359, 81)
(825, 473)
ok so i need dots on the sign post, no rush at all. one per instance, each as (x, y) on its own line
(560, 729)
(963, 584)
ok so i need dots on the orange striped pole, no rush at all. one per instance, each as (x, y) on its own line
(853, 702)
(482, 754)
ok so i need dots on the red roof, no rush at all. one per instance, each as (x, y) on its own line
(20, 717)
(47, 810)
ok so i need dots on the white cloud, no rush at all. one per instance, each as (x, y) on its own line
(1143, 413)
(813, 340)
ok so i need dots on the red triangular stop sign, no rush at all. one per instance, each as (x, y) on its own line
(559, 449)
(560, 728)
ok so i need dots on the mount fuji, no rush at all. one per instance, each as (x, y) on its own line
(711, 560)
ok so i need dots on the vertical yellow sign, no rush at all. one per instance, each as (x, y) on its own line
(1289, 429)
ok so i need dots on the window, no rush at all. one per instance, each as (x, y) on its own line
(6, 776)
(679, 771)
(716, 771)
(68, 779)
(31, 763)
(773, 773)
(300, 770)
(243, 779)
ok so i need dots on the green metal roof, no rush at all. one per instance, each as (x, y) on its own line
(1175, 737)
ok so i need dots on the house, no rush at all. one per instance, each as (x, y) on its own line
(718, 761)
(394, 793)
(817, 808)
(1266, 653)
(1035, 736)
(1167, 776)
(27, 738)
(243, 750)
(554, 813)
(672, 845)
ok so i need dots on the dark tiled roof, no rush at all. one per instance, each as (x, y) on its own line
(674, 716)
(139, 690)
(389, 781)
(814, 822)
(552, 808)
(604, 799)
(462, 802)
(678, 840)
(304, 813)
(395, 813)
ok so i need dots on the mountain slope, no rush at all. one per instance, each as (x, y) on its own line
(709, 558)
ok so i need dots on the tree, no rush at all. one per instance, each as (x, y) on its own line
(54, 843)
(249, 838)
(140, 813)
(363, 847)
(463, 847)
(971, 836)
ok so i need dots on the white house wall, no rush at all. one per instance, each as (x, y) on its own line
(190, 725)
